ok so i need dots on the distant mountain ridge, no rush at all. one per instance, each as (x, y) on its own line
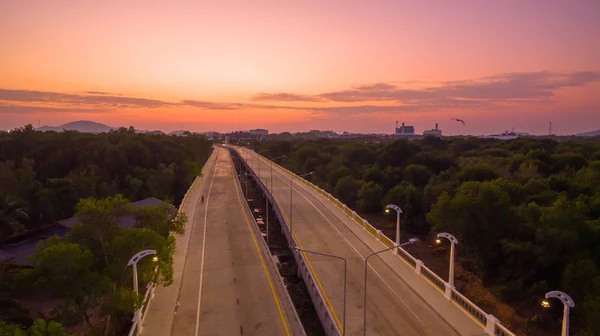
(84, 126)
(589, 134)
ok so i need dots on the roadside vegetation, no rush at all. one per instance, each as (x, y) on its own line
(81, 284)
(526, 211)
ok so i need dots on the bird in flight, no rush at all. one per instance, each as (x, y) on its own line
(462, 121)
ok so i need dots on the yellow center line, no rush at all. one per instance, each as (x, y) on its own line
(262, 261)
(325, 296)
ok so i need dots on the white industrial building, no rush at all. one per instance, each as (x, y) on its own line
(433, 132)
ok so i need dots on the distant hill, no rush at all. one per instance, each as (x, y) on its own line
(83, 126)
(589, 134)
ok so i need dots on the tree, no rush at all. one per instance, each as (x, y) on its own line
(12, 216)
(7, 329)
(368, 197)
(98, 223)
(163, 219)
(478, 215)
(346, 190)
(47, 328)
(418, 175)
(65, 270)
(410, 199)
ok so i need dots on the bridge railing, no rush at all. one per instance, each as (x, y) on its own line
(491, 325)
(314, 289)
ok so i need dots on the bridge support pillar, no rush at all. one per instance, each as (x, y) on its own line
(418, 266)
(491, 324)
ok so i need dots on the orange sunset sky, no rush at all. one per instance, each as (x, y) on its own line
(349, 65)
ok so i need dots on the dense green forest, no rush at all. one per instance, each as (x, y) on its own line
(46, 174)
(526, 211)
(83, 281)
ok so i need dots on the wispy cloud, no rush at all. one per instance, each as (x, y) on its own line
(286, 97)
(484, 92)
(27, 96)
(102, 93)
(492, 92)
(18, 109)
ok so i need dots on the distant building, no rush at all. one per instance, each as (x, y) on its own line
(259, 131)
(506, 135)
(405, 130)
(434, 132)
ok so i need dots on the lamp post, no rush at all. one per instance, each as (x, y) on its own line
(410, 241)
(398, 212)
(291, 188)
(345, 278)
(453, 241)
(133, 262)
(277, 158)
(568, 304)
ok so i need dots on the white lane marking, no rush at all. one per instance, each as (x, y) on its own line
(355, 250)
(204, 245)
(187, 250)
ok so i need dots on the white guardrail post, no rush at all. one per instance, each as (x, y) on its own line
(419, 266)
(491, 324)
(448, 292)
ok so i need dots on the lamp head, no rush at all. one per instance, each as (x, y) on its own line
(545, 303)
(438, 241)
(155, 259)
(413, 240)
(387, 210)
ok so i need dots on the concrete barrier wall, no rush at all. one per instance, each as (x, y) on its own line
(325, 315)
(490, 324)
(272, 266)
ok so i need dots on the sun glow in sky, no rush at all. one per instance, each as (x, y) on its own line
(297, 65)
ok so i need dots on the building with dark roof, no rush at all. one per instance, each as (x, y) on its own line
(19, 253)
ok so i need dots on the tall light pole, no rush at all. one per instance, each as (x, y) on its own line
(291, 189)
(453, 241)
(345, 278)
(133, 262)
(568, 304)
(410, 241)
(279, 157)
(398, 212)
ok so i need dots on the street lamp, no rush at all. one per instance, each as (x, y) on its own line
(133, 262)
(410, 241)
(398, 212)
(345, 278)
(291, 188)
(277, 158)
(258, 159)
(568, 304)
(453, 241)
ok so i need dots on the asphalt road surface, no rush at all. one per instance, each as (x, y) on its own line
(393, 307)
(226, 286)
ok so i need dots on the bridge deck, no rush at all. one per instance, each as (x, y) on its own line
(393, 307)
(224, 285)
